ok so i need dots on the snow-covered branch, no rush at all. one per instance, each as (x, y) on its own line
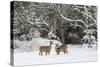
(88, 16)
(86, 13)
(78, 20)
(44, 29)
(69, 19)
(80, 26)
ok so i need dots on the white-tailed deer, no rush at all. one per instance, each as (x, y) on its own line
(45, 49)
(61, 48)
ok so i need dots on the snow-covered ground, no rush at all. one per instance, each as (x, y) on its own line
(76, 54)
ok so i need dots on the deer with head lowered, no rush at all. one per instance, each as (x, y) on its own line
(61, 48)
(45, 49)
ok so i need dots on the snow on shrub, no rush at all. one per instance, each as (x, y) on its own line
(34, 44)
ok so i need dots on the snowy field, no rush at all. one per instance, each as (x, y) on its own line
(76, 54)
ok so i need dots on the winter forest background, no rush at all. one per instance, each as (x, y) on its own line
(35, 24)
(66, 23)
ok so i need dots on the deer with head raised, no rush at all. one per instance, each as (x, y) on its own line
(45, 49)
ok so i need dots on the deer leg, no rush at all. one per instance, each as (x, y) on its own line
(41, 53)
(64, 52)
(67, 52)
(48, 53)
(45, 53)
(58, 53)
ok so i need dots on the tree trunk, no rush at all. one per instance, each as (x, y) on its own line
(54, 24)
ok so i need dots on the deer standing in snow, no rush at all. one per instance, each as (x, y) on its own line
(61, 48)
(45, 49)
